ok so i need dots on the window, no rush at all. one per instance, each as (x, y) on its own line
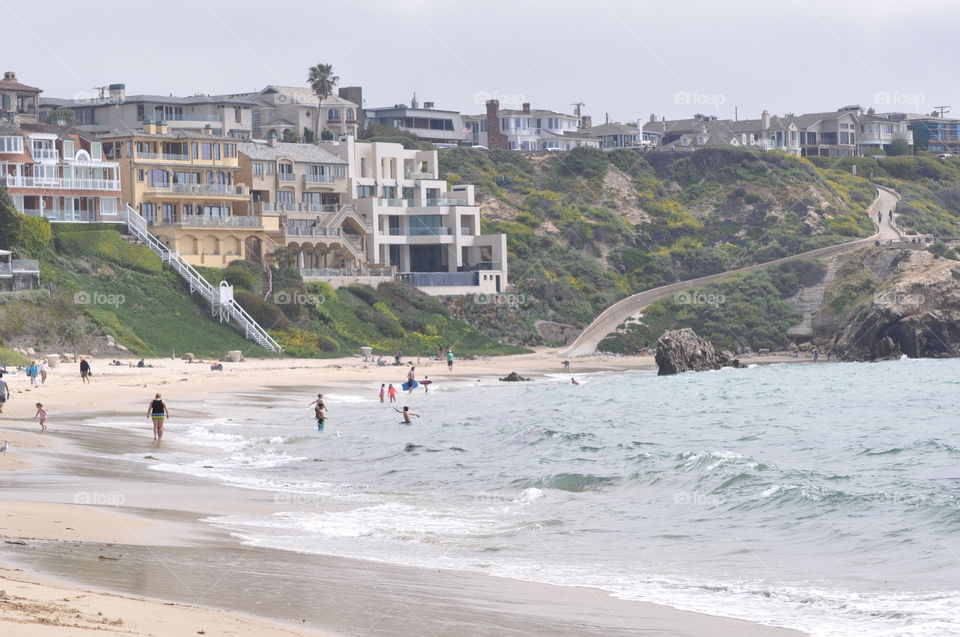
(285, 172)
(237, 113)
(12, 144)
(206, 150)
(196, 152)
(140, 114)
(140, 174)
(390, 192)
(366, 191)
(229, 150)
(169, 210)
(333, 115)
(285, 197)
(216, 151)
(158, 178)
(258, 170)
(149, 211)
(350, 115)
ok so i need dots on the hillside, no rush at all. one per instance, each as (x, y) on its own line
(95, 284)
(587, 228)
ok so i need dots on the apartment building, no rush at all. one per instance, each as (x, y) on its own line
(528, 129)
(306, 189)
(427, 122)
(185, 184)
(18, 102)
(291, 109)
(936, 134)
(59, 175)
(112, 109)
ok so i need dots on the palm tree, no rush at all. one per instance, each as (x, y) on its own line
(321, 80)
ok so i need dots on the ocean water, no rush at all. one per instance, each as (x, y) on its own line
(819, 497)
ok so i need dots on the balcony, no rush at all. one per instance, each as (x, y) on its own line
(481, 266)
(419, 232)
(185, 117)
(45, 154)
(176, 157)
(200, 189)
(199, 221)
(312, 231)
(388, 272)
(309, 179)
(420, 175)
(275, 208)
(286, 177)
(12, 181)
(72, 216)
(445, 202)
(446, 279)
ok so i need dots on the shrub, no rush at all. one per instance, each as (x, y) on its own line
(586, 162)
(268, 315)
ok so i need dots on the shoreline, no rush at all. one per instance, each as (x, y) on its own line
(260, 379)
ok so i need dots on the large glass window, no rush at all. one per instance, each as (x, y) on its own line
(13, 144)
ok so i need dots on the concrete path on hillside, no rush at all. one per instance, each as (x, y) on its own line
(613, 316)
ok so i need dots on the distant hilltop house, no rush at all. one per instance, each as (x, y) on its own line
(427, 122)
(19, 103)
(529, 129)
(287, 112)
(847, 132)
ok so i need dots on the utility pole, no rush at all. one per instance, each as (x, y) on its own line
(943, 110)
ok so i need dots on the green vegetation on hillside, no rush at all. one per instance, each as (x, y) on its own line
(587, 228)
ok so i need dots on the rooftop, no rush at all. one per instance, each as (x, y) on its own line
(297, 152)
(10, 83)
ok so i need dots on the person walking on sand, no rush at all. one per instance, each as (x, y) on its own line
(450, 360)
(392, 393)
(4, 393)
(406, 415)
(383, 389)
(42, 415)
(156, 412)
(44, 368)
(84, 370)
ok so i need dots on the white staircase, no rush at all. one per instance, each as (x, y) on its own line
(220, 298)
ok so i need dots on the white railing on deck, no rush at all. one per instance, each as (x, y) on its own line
(230, 310)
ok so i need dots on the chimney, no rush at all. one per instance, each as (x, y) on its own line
(765, 116)
(428, 105)
(162, 128)
(9, 76)
(495, 137)
(526, 108)
(118, 92)
(653, 118)
(149, 127)
(586, 121)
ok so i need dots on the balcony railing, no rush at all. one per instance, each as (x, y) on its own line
(446, 202)
(312, 231)
(318, 179)
(451, 279)
(200, 221)
(45, 153)
(482, 265)
(186, 117)
(25, 265)
(12, 181)
(50, 214)
(272, 207)
(200, 189)
(176, 157)
(286, 177)
(420, 232)
(420, 175)
(362, 271)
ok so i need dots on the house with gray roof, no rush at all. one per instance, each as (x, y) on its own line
(528, 129)
(111, 109)
(291, 110)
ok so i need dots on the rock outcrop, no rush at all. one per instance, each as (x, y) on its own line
(513, 377)
(916, 314)
(681, 351)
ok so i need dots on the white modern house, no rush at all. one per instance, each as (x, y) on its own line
(528, 129)
(426, 122)
(430, 233)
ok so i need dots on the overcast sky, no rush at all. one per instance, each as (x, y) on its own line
(625, 58)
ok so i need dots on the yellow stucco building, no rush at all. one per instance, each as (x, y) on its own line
(185, 184)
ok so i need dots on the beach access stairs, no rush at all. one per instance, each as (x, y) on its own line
(220, 298)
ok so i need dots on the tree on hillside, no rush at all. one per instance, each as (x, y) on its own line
(11, 223)
(898, 147)
(321, 80)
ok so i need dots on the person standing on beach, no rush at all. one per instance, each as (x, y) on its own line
(44, 368)
(84, 370)
(33, 373)
(383, 389)
(450, 360)
(157, 412)
(4, 393)
(392, 393)
(42, 415)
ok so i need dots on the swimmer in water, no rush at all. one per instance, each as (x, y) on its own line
(406, 415)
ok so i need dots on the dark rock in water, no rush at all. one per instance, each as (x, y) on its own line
(681, 351)
(411, 447)
(513, 377)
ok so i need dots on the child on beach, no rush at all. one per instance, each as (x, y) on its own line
(406, 415)
(426, 382)
(392, 393)
(319, 411)
(42, 415)
(383, 389)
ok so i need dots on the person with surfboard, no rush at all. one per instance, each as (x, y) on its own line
(411, 383)
(426, 382)
(406, 415)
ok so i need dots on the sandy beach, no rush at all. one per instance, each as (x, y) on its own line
(75, 565)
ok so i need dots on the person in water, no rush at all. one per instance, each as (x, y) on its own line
(392, 393)
(319, 410)
(426, 382)
(157, 412)
(383, 389)
(411, 379)
(406, 413)
(574, 381)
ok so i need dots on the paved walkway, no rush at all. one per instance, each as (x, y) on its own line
(613, 316)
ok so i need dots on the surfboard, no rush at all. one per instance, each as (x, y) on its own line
(407, 385)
